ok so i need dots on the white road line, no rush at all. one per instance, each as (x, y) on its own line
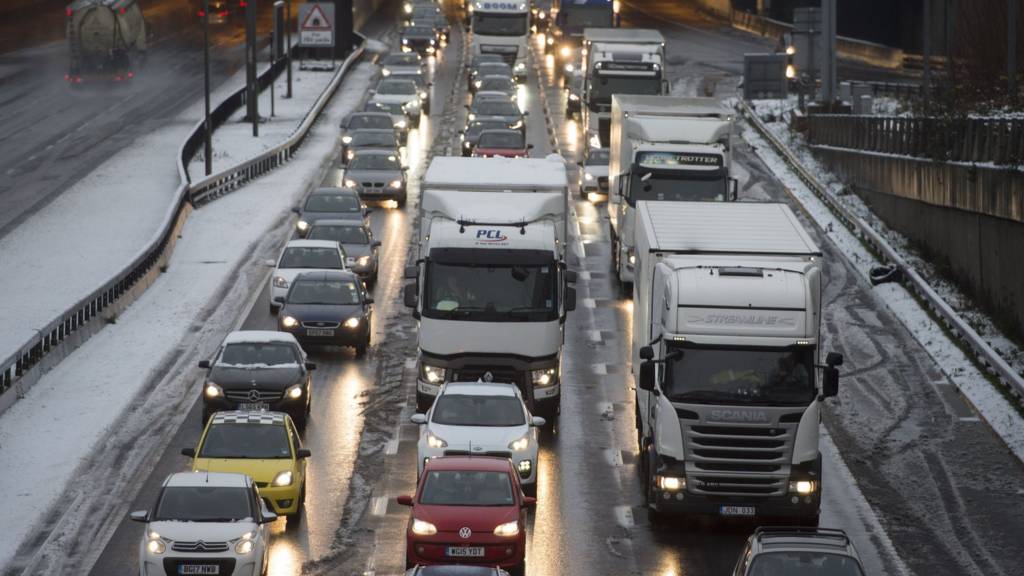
(594, 335)
(599, 369)
(589, 303)
(391, 448)
(624, 515)
(613, 455)
(380, 505)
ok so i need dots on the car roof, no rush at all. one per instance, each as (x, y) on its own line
(247, 336)
(496, 77)
(248, 417)
(373, 152)
(802, 539)
(212, 479)
(468, 463)
(480, 389)
(501, 130)
(311, 244)
(346, 191)
(327, 275)
(339, 222)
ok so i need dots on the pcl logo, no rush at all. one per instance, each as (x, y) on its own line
(490, 235)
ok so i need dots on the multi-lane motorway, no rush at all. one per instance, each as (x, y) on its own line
(929, 479)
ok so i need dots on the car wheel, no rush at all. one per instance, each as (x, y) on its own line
(401, 201)
(361, 348)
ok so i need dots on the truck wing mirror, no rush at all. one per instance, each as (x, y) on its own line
(646, 353)
(410, 296)
(829, 382)
(570, 299)
(570, 276)
(734, 189)
(834, 359)
(646, 380)
(412, 272)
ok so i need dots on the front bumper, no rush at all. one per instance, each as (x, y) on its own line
(383, 193)
(341, 336)
(498, 551)
(282, 499)
(294, 407)
(229, 563)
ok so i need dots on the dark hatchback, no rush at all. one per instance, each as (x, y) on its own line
(258, 370)
(423, 40)
(329, 307)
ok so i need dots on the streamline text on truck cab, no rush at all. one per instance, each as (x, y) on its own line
(501, 27)
(726, 318)
(664, 148)
(491, 290)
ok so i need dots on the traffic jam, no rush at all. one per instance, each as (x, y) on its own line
(459, 257)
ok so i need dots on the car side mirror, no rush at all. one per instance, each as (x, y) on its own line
(139, 516)
(404, 500)
(310, 366)
(538, 422)
(366, 211)
(646, 353)
(570, 299)
(270, 263)
(297, 210)
(204, 364)
(529, 146)
(190, 452)
(418, 418)
(410, 295)
(570, 276)
(527, 113)
(829, 382)
(279, 299)
(267, 517)
(529, 501)
(412, 272)
(834, 359)
(646, 381)
(303, 453)
(372, 91)
(375, 244)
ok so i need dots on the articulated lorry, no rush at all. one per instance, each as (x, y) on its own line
(501, 27)
(618, 61)
(491, 288)
(105, 38)
(726, 317)
(664, 148)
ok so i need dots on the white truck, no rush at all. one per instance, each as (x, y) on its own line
(492, 289)
(618, 61)
(726, 317)
(105, 37)
(501, 27)
(664, 148)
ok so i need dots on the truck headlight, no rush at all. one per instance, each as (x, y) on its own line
(519, 67)
(280, 282)
(507, 529)
(544, 377)
(283, 478)
(435, 442)
(213, 390)
(302, 225)
(350, 183)
(565, 51)
(289, 322)
(423, 528)
(352, 323)
(245, 544)
(588, 176)
(346, 139)
(519, 445)
(294, 392)
(803, 487)
(432, 374)
(155, 545)
(671, 483)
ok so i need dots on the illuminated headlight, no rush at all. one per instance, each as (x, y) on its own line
(245, 543)
(588, 176)
(407, 7)
(524, 467)
(467, 144)
(565, 51)
(435, 442)
(671, 483)
(632, 258)
(405, 41)
(352, 323)
(294, 392)
(395, 184)
(790, 49)
(517, 126)
(401, 124)
(432, 374)
(432, 42)
(545, 377)
(363, 261)
(423, 528)
(570, 68)
(302, 225)
(478, 83)
(155, 544)
(423, 95)
(550, 40)
(541, 15)
(289, 322)
(349, 154)
(507, 529)
(283, 478)
(386, 72)
(519, 445)
(593, 197)
(520, 67)
(790, 71)
(595, 141)
(213, 390)
(573, 97)
(349, 183)
(346, 139)
(803, 487)
(471, 117)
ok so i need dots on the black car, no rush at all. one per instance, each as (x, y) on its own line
(336, 203)
(258, 370)
(329, 307)
(423, 40)
(574, 96)
(381, 140)
(488, 69)
(358, 243)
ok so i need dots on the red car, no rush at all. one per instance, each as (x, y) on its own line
(468, 510)
(501, 142)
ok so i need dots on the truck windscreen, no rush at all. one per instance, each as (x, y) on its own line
(604, 85)
(486, 24)
(740, 376)
(484, 293)
(678, 186)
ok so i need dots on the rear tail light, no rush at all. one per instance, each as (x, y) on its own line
(68, 12)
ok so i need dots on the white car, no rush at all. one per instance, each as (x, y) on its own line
(301, 256)
(398, 91)
(205, 523)
(594, 175)
(481, 418)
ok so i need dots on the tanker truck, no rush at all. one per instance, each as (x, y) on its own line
(106, 38)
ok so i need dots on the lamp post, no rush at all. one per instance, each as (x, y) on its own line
(206, 86)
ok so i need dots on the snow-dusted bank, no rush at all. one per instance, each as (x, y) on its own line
(78, 407)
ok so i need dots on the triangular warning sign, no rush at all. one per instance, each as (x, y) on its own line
(316, 20)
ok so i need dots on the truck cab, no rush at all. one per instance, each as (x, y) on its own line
(501, 27)
(569, 19)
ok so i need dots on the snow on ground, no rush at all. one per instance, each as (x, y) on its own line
(64, 417)
(999, 414)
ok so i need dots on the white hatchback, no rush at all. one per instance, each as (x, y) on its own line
(205, 523)
(301, 256)
(481, 418)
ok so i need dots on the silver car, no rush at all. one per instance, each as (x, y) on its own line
(377, 176)
(404, 92)
(402, 63)
(356, 240)
(381, 140)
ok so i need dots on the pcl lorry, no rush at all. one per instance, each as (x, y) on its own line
(618, 61)
(726, 317)
(104, 37)
(501, 27)
(664, 148)
(491, 288)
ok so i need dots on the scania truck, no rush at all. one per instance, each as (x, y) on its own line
(618, 61)
(664, 148)
(726, 317)
(501, 27)
(491, 289)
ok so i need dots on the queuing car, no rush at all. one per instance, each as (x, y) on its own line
(205, 523)
(399, 117)
(377, 176)
(472, 132)
(594, 174)
(488, 68)
(496, 83)
(379, 140)
(798, 551)
(335, 203)
(328, 308)
(497, 109)
(258, 370)
(481, 418)
(402, 63)
(358, 243)
(422, 85)
(574, 96)
(431, 15)
(467, 510)
(424, 40)
(502, 142)
(409, 7)
(403, 92)
(372, 119)
(264, 446)
(301, 256)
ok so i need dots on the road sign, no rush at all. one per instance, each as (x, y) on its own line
(316, 24)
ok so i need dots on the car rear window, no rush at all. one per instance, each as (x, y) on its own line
(501, 139)
(333, 203)
(362, 121)
(311, 257)
(804, 564)
(467, 488)
(326, 292)
(204, 504)
(374, 162)
(378, 139)
(497, 108)
(258, 441)
(339, 234)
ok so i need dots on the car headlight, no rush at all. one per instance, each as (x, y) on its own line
(423, 528)
(471, 117)
(519, 67)
(155, 544)
(545, 377)
(595, 141)
(519, 445)
(395, 184)
(401, 124)
(302, 225)
(573, 97)
(407, 7)
(565, 51)
(516, 126)
(405, 41)
(352, 323)
(423, 95)
(363, 261)
(350, 183)
(432, 374)
(346, 139)
(432, 42)
(570, 68)
(632, 257)
(467, 144)
(671, 483)
(245, 544)
(289, 322)
(588, 176)
(435, 442)
(213, 390)
(283, 478)
(551, 40)
(803, 487)
(385, 72)
(294, 392)
(478, 83)
(349, 154)
(507, 529)
(280, 282)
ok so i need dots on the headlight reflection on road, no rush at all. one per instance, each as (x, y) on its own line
(284, 558)
(522, 97)
(572, 134)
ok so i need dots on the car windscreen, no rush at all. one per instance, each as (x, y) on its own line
(311, 257)
(396, 87)
(364, 121)
(376, 139)
(257, 441)
(466, 410)
(740, 376)
(401, 59)
(418, 79)
(804, 564)
(204, 504)
(498, 84)
(374, 162)
(258, 354)
(512, 139)
(419, 32)
(339, 234)
(497, 108)
(493, 69)
(327, 292)
(333, 203)
(598, 157)
(467, 488)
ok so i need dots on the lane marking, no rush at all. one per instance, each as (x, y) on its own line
(380, 505)
(391, 448)
(600, 369)
(624, 515)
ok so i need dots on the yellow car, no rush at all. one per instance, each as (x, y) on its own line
(263, 445)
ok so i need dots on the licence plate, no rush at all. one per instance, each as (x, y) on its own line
(244, 407)
(320, 332)
(736, 510)
(465, 551)
(198, 569)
